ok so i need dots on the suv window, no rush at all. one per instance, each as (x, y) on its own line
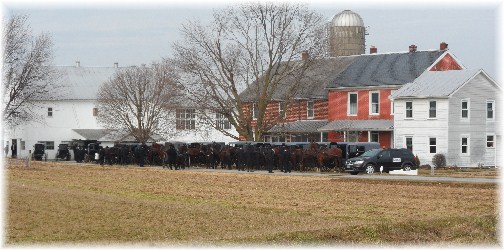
(397, 153)
(385, 153)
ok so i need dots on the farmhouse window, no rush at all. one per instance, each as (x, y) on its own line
(49, 112)
(23, 145)
(374, 104)
(409, 143)
(432, 109)
(49, 145)
(352, 104)
(432, 145)
(490, 141)
(374, 136)
(465, 145)
(324, 137)
(222, 122)
(95, 111)
(409, 109)
(185, 119)
(281, 109)
(254, 111)
(490, 109)
(465, 109)
(310, 109)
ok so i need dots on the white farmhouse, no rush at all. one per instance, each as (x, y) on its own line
(450, 112)
(73, 117)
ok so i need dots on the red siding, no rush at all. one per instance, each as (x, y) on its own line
(296, 110)
(338, 105)
(446, 63)
(338, 110)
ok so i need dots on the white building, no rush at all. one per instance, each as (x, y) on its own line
(450, 112)
(73, 117)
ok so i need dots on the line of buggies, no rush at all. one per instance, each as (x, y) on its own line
(208, 154)
(39, 153)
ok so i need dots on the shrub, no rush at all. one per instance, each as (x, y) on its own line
(439, 160)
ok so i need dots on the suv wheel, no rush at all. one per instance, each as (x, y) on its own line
(406, 167)
(370, 169)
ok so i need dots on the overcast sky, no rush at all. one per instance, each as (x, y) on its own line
(99, 33)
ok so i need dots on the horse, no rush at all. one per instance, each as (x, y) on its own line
(211, 153)
(156, 154)
(310, 160)
(330, 158)
(296, 157)
(226, 156)
(194, 154)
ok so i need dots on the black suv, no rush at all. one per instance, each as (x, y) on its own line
(391, 159)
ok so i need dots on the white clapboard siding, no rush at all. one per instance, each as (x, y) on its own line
(421, 127)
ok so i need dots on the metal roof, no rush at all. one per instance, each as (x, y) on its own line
(311, 85)
(347, 18)
(110, 135)
(359, 125)
(92, 134)
(436, 84)
(385, 69)
(121, 136)
(82, 83)
(301, 126)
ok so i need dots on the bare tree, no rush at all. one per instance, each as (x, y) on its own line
(139, 101)
(27, 72)
(255, 46)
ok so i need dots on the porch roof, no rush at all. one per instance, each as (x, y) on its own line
(359, 125)
(302, 126)
(92, 134)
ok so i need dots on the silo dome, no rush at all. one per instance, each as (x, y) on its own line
(347, 18)
(346, 34)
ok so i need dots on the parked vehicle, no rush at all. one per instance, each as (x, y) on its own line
(39, 152)
(63, 152)
(354, 149)
(390, 159)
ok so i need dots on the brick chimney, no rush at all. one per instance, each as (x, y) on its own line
(373, 50)
(443, 46)
(412, 48)
(305, 55)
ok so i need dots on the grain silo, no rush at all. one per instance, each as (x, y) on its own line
(346, 34)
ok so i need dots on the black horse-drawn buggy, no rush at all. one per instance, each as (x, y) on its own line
(92, 150)
(39, 152)
(63, 152)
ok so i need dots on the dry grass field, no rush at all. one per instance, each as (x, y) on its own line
(58, 203)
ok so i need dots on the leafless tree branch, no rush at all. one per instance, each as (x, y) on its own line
(251, 46)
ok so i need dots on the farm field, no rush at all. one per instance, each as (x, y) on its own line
(60, 203)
